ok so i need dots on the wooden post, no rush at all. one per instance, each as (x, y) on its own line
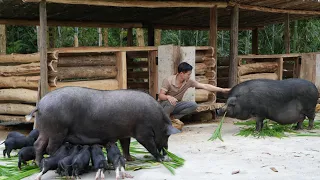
(287, 33)
(255, 41)
(150, 35)
(105, 36)
(43, 49)
(213, 30)
(152, 58)
(122, 69)
(129, 37)
(100, 37)
(233, 67)
(76, 40)
(3, 39)
(157, 35)
(140, 37)
(280, 68)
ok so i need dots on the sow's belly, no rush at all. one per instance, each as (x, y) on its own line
(99, 135)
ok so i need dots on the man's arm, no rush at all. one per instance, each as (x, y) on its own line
(162, 96)
(210, 87)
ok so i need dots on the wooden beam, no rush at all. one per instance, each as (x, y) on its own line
(43, 49)
(214, 30)
(274, 10)
(287, 34)
(122, 70)
(3, 39)
(255, 41)
(52, 23)
(142, 4)
(280, 68)
(233, 70)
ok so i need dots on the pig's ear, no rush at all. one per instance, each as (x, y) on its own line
(172, 130)
(232, 101)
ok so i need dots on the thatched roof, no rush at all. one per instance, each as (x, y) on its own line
(252, 13)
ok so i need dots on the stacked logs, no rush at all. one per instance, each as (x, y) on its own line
(92, 70)
(249, 71)
(205, 72)
(19, 77)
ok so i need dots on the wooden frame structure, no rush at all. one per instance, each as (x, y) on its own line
(213, 15)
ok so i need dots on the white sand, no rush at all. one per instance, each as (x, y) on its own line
(293, 157)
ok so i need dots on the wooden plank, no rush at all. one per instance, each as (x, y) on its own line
(53, 23)
(287, 33)
(252, 56)
(88, 49)
(44, 87)
(153, 82)
(3, 39)
(138, 74)
(274, 10)
(122, 70)
(107, 84)
(308, 66)
(142, 4)
(234, 47)
(317, 73)
(20, 58)
(137, 54)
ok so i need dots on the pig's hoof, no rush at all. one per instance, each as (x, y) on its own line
(309, 127)
(130, 158)
(128, 175)
(297, 128)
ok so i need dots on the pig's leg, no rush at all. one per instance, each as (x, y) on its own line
(150, 145)
(299, 124)
(259, 124)
(4, 152)
(311, 117)
(55, 141)
(40, 146)
(125, 144)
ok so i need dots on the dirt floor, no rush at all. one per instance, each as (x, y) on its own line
(293, 157)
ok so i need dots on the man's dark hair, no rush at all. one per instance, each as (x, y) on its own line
(184, 67)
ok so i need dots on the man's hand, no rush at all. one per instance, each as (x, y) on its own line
(172, 100)
(226, 90)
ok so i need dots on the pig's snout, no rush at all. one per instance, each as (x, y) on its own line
(220, 111)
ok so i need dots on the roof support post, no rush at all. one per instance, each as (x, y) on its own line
(214, 30)
(3, 39)
(43, 49)
(233, 68)
(150, 35)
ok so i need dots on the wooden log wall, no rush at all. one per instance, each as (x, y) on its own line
(98, 70)
(205, 72)
(19, 78)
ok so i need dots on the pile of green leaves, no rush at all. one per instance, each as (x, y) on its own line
(10, 170)
(217, 133)
(272, 129)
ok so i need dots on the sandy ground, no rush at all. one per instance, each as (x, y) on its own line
(293, 157)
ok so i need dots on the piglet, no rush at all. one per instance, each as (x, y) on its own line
(98, 160)
(114, 156)
(26, 154)
(80, 162)
(65, 164)
(51, 163)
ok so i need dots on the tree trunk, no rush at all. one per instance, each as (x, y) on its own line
(19, 70)
(201, 68)
(107, 72)
(6, 118)
(20, 58)
(202, 79)
(20, 94)
(15, 109)
(19, 82)
(203, 117)
(272, 76)
(262, 67)
(201, 95)
(108, 84)
(77, 61)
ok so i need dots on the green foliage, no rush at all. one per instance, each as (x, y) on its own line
(217, 133)
(305, 37)
(272, 129)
